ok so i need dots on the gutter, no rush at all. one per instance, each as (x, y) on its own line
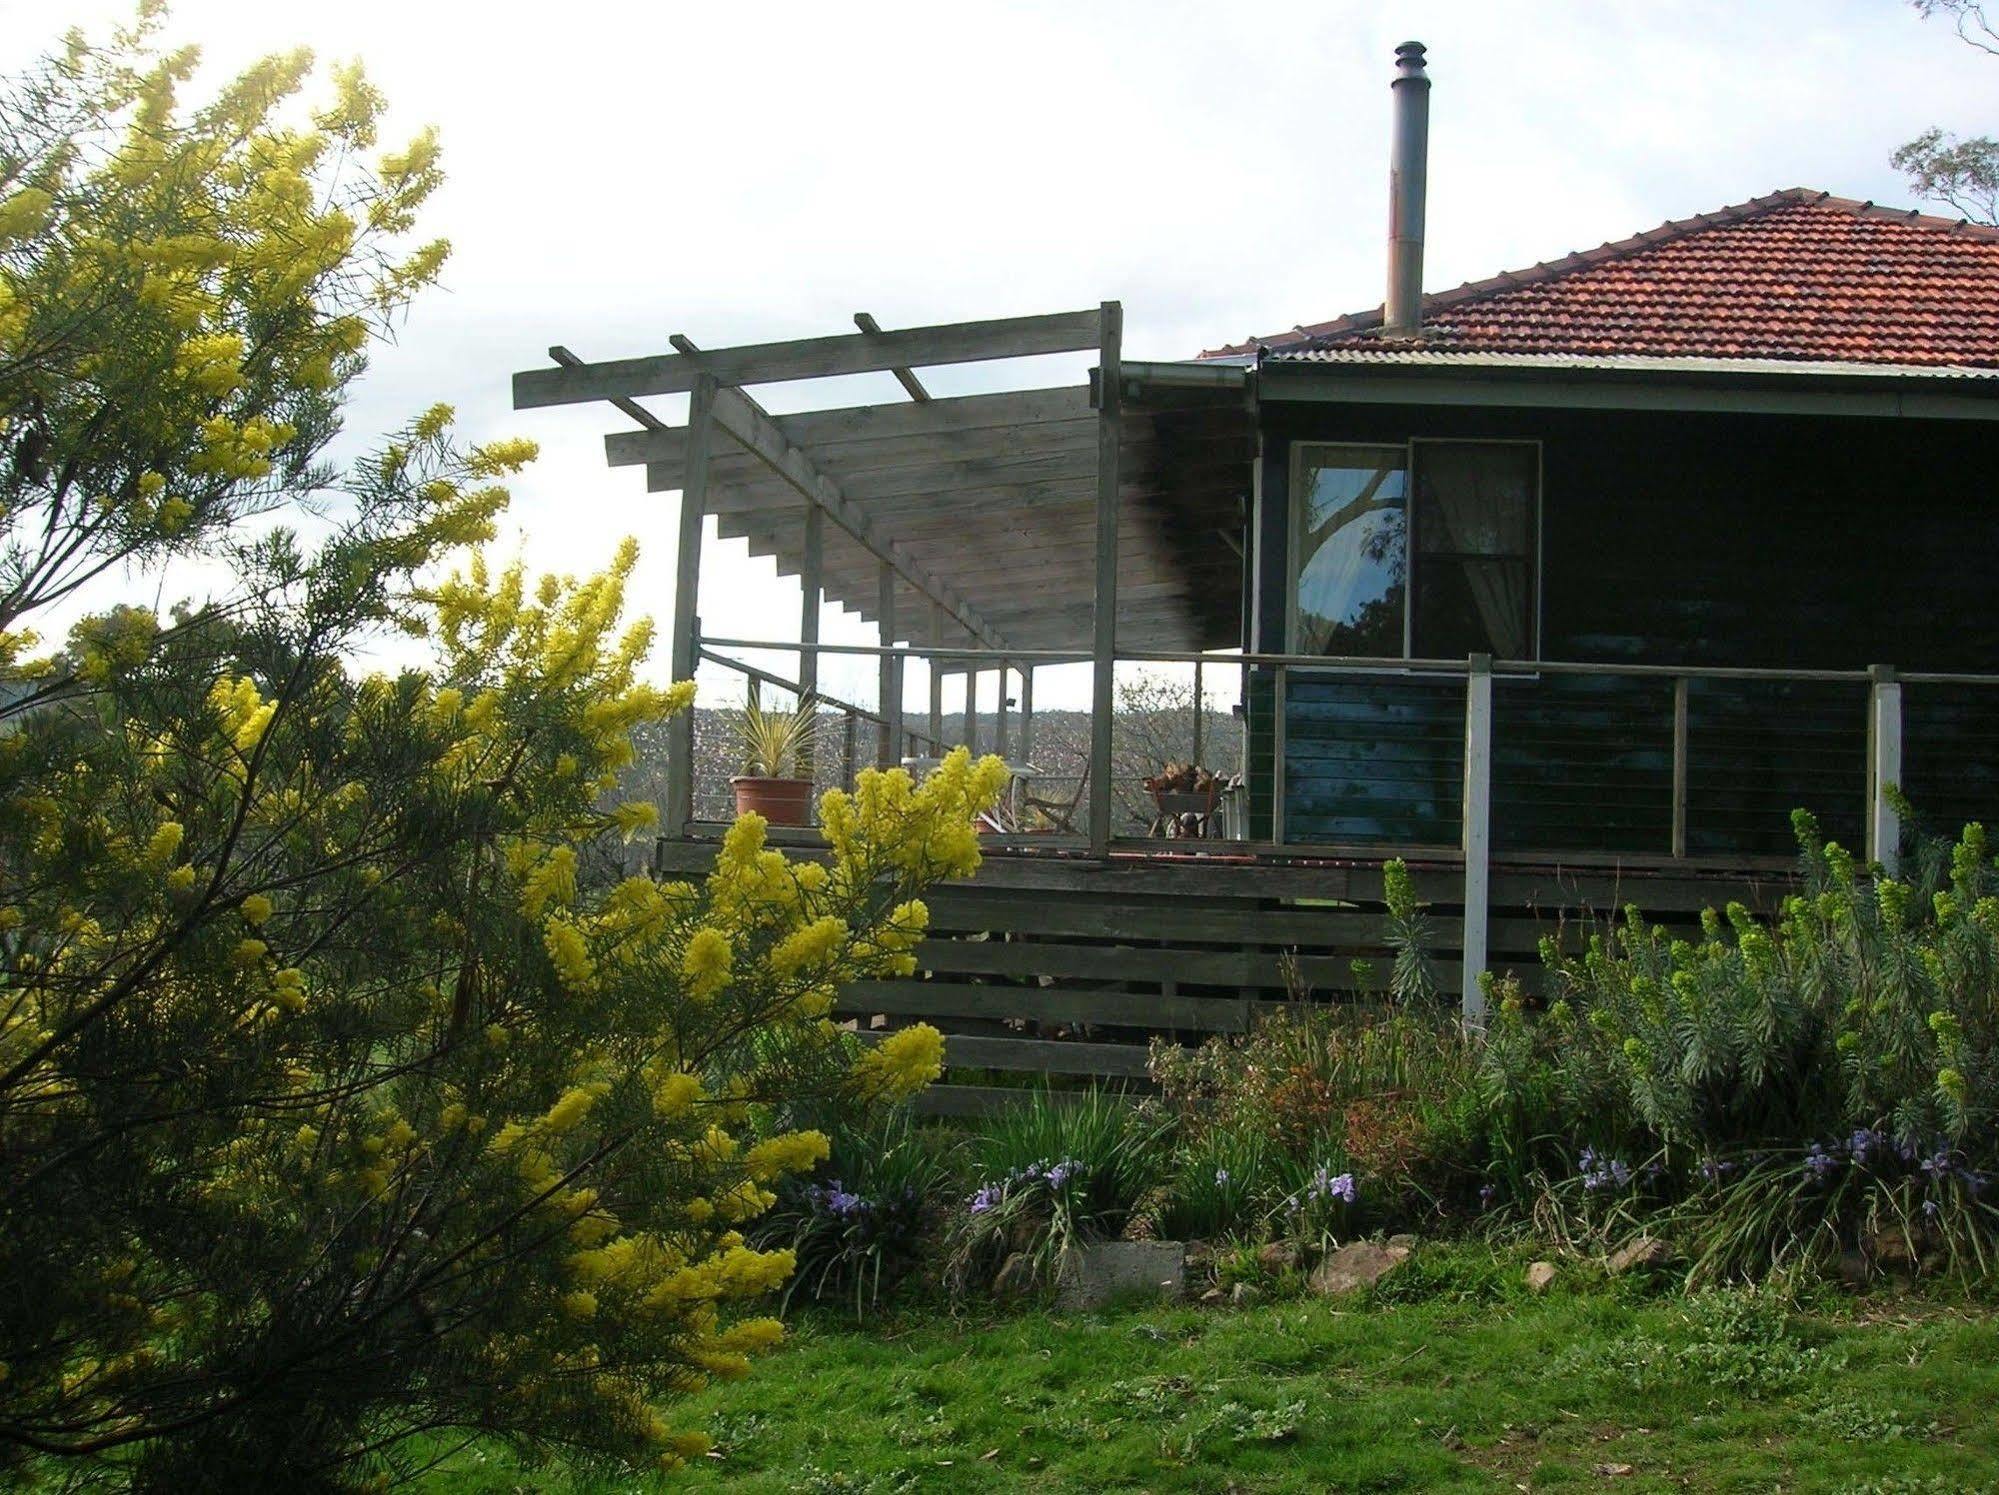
(1888, 396)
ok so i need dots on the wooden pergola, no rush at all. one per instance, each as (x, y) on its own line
(997, 530)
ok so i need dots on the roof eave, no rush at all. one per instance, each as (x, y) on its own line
(1907, 394)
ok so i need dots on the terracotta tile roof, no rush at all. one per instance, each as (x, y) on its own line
(1797, 275)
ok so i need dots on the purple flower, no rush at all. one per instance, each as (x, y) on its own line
(1821, 1163)
(986, 1198)
(1930, 1208)
(1599, 1172)
(1864, 1143)
(1221, 1178)
(1716, 1169)
(1486, 1194)
(842, 1203)
(1938, 1165)
(1325, 1184)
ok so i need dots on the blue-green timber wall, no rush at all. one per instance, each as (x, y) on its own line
(1671, 539)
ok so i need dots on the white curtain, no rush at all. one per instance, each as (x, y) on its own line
(1482, 497)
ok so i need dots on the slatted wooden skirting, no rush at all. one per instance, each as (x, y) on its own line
(1070, 966)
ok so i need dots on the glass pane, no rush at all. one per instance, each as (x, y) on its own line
(1475, 515)
(1473, 607)
(1350, 528)
(1475, 498)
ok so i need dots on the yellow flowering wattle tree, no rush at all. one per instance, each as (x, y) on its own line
(336, 1106)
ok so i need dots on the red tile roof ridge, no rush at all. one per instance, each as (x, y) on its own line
(1672, 230)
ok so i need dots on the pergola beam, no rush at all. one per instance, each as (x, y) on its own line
(811, 358)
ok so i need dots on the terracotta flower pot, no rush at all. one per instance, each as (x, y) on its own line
(779, 801)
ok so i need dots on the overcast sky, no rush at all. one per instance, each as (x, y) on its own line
(619, 172)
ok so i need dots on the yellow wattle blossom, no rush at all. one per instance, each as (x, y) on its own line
(24, 213)
(676, 1094)
(901, 1064)
(288, 989)
(569, 954)
(706, 963)
(810, 947)
(552, 880)
(790, 1152)
(164, 844)
(575, 1104)
(581, 1304)
(255, 909)
(634, 816)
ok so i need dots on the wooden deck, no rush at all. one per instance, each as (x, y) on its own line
(1058, 963)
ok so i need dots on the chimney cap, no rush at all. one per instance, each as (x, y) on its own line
(1409, 61)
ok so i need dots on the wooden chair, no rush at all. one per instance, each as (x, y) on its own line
(1060, 813)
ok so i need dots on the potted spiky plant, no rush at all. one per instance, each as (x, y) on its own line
(774, 746)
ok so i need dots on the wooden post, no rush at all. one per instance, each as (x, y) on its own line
(1679, 765)
(1477, 839)
(810, 585)
(1000, 715)
(936, 681)
(1103, 650)
(888, 749)
(686, 603)
(1884, 722)
(1027, 714)
(1198, 713)
(1278, 686)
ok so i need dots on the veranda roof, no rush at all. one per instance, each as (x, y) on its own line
(981, 510)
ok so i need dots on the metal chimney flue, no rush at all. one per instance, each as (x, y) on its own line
(1408, 168)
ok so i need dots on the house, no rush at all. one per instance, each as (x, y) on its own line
(1567, 585)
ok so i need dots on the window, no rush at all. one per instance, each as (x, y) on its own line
(1425, 551)
(1350, 537)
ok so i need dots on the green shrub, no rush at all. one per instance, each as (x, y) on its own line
(1785, 1091)
(1861, 1008)
(861, 1224)
(1384, 1088)
(1052, 1172)
(1226, 1181)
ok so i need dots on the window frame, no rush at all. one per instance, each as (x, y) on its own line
(1294, 528)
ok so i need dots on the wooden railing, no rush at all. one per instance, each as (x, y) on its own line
(1883, 767)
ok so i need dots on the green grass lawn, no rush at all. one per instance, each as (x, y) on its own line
(1451, 1378)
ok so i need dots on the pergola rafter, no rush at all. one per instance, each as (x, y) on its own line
(1037, 521)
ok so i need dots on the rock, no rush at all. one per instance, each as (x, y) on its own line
(1243, 1294)
(1097, 1275)
(1277, 1256)
(1352, 1267)
(1643, 1253)
(1891, 1250)
(1406, 1241)
(1540, 1276)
